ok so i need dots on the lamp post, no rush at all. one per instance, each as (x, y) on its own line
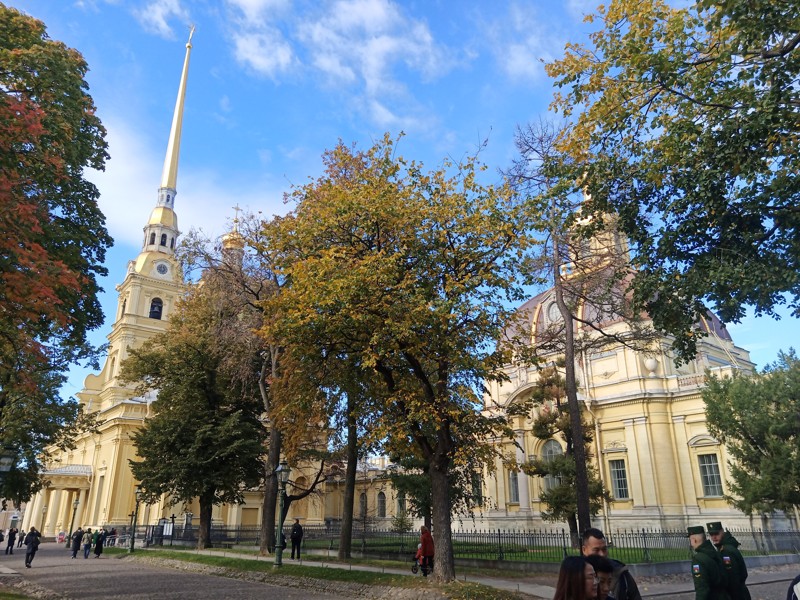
(8, 456)
(172, 531)
(283, 478)
(135, 517)
(72, 522)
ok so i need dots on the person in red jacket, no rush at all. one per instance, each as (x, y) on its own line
(426, 539)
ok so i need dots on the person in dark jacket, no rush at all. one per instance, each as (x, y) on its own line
(297, 537)
(708, 572)
(98, 542)
(76, 541)
(728, 547)
(32, 540)
(623, 585)
(12, 539)
(794, 589)
(21, 538)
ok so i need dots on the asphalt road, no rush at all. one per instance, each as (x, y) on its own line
(108, 578)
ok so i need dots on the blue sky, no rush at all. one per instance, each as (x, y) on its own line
(273, 83)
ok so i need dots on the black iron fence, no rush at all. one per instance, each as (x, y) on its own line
(533, 545)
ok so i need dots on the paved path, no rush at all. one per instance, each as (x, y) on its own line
(109, 578)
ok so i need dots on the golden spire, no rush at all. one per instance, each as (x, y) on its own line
(169, 176)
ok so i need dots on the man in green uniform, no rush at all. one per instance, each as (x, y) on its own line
(728, 547)
(708, 572)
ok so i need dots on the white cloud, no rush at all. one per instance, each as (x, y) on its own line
(264, 51)
(520, 41)
(358, 46)
(155, 16)
(255, 11)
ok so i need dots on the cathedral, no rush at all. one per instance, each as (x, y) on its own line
(651, 445)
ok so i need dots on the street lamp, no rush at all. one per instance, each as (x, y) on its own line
(172, 531)
(282, 472)
(8, 456)
(72, 522)
(135, 517)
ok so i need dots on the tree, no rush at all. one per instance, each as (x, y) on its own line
(553, 419)
(205, 439)
(54, 238)
(588, 264)
(756, 417)
(686, 126)
(411, 273)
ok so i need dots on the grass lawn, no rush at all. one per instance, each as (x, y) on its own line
(455, 590)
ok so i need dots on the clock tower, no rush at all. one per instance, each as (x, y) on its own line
(97, 473)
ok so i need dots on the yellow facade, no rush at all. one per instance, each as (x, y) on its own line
(652, 447)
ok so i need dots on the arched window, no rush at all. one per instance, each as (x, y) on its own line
(550, 451)
(156, 306)
(362, 505)
(164, 239)
(513, 487)
(381, 505)
(124, 306)
(172, 243)
(152, 238)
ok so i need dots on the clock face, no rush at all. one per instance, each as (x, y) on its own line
(162, 269)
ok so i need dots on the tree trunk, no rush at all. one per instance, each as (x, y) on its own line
(206, 501)
(576, 425)
(270, 492)
(346, 533)
(443, 562)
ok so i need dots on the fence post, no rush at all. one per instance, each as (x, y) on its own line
(647, 557)
(500, 546)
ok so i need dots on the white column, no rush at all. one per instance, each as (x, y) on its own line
(52, 512)
(522, 477)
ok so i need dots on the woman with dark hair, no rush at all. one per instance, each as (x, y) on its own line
(576, 580)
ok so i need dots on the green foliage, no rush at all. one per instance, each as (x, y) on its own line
(756, 417)
(401, 522)
(54, 241)
(205, 439)
(409, 273)
(553, 420)
(686, 126)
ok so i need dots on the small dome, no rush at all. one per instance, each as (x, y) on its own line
(162, 215)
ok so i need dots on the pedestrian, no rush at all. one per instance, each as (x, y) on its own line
(12, 538)
(576, 580)
(623, 585)
(98, 542)
(87, 542)
(794, 589)
(426, 539)
(604, 569)
(708, 572)
(20, 538)
(112, 537)
(297, 537)
(32, 540)
(733, 560)
(77, 537)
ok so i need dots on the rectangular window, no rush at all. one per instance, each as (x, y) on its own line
(513, 487)
(709, 473)
(477, 489)
(619, 479)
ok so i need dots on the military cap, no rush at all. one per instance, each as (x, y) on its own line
(695, 529)
(714, 527)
